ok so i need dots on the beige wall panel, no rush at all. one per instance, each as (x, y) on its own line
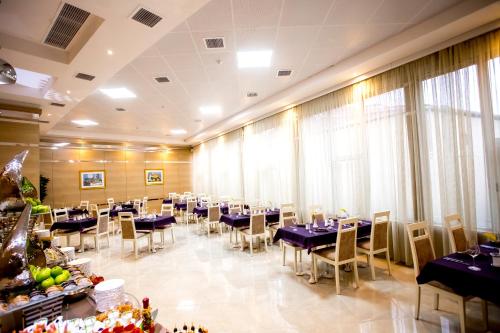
(116, 177)
(65, 155)
(46, 154)
(114, 156)
(64, 184)
(135, 180)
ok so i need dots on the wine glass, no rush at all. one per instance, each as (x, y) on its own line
(474, 251)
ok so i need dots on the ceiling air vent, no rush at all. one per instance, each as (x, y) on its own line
(120, 109)
(214, 43)
(284, 72)
(146, 17)
(84, 76)
(66, 25)
(57, 104)
(251, 94)
(162, 79)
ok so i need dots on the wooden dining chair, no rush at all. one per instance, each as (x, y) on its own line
(144, 206)
(289, 221)
(286, 210)
(111, 203)
(137, 206)
(167, 210)
(101, 229)
(378, 242)
(456, 233)
(257, 228)
(84, 204)
(129, 233)
(315, 210)
(422, 251)
(188, 214)
(343, 252)
(60, 214)
(94, 209)
(212, 219)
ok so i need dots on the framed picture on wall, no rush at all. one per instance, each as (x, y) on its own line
(92, 179)
(153, 176)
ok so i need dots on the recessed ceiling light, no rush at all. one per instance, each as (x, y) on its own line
(118, 93)
(84, 122)
(253, 59)
(197, 120)
(50, 114)
(178, 131)
(251, 94)
(110, 52)
(119, 109)
(68, 92)
(212, 109)
(61, 144)
(54, 148)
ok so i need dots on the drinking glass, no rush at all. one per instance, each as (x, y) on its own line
(474, 251)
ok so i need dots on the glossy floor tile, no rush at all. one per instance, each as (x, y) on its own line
(207, 281)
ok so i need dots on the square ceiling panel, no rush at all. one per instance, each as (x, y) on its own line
(175, 43)
(349, 12)
(398, 11)
(215, 15)
(305, 12)
(250, 14)
(255, 39)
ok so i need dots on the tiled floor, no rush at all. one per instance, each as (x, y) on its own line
(206, 281)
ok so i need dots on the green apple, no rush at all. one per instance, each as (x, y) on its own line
(55, 271)
(49, 282)
(60, 278)
(42, 275)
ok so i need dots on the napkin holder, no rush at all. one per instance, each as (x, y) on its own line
(495, 259)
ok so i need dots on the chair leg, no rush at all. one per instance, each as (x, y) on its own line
(314, 272)
(208, 228)
(82, 244)
(173, 236)
(337, 280)
(284, 254)
(461, 314)
(356, 275)
(251, 245)
(265, 243)
(108, 240)
(121, 252)
(372, 266)
(96, 240)
(436, 301)
(417, 305)
(388, 258)
(300, 256)
(136, 251)
(220, 229)
(295, 261)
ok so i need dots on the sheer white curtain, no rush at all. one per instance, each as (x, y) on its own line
(217, 166)
(354, 153)
(269, 159)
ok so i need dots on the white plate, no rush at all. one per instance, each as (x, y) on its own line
(109, 285)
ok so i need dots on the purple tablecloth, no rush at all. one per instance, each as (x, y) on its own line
(114, 212)
(180, 206)
(203, 211)
(484, 284)
(125, 206)
(167, 201)
(154, 223)
(240, 221)
(74, 225)
(306, 240)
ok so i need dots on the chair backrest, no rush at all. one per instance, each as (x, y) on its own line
(379, 238)
(235, 210)
(145, 205)
(288, 221)
(456, 233)
(346, 239)
(315, 209)
(319, 217)
(257, 224)
(137, 205)
(127, 224)
(111, 203)
(286, 210)
(422, 250)
(175, 199)
(171, 195)
(188, 193)
(103, 221)
(60, 214)
(93, 210)
(191, 204)
(84, 204)
(213, 213)
(167, 210)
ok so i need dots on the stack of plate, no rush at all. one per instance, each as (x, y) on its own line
(109, 294)
(83, 265)
(69, 252)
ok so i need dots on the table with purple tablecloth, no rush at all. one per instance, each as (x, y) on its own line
(241, 221)
(167, 201)
(77, 211)
(114, 212)
(153, 223)
(299, 236)
(203, 211)
(74, 225)
(456, 275)
(125, 205)
(180, 206)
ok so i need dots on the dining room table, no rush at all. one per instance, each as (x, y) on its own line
(152, 223)
(202, 211)
(167, 201)
(453, 271)
(322, 235)
(243, 220)
(114, 212)
(74, 224)
(77, 211)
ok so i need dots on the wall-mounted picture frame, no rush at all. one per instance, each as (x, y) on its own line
(153, 176)
(92, 179)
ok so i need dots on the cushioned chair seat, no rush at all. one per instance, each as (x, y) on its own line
(328, 252)
(365, 244)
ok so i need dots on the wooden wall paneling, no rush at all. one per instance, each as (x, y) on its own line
(116, 175)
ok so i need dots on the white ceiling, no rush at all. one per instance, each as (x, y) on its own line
(306, 36)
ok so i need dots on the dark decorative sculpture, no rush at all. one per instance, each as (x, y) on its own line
(14, 269)
(11, 184)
